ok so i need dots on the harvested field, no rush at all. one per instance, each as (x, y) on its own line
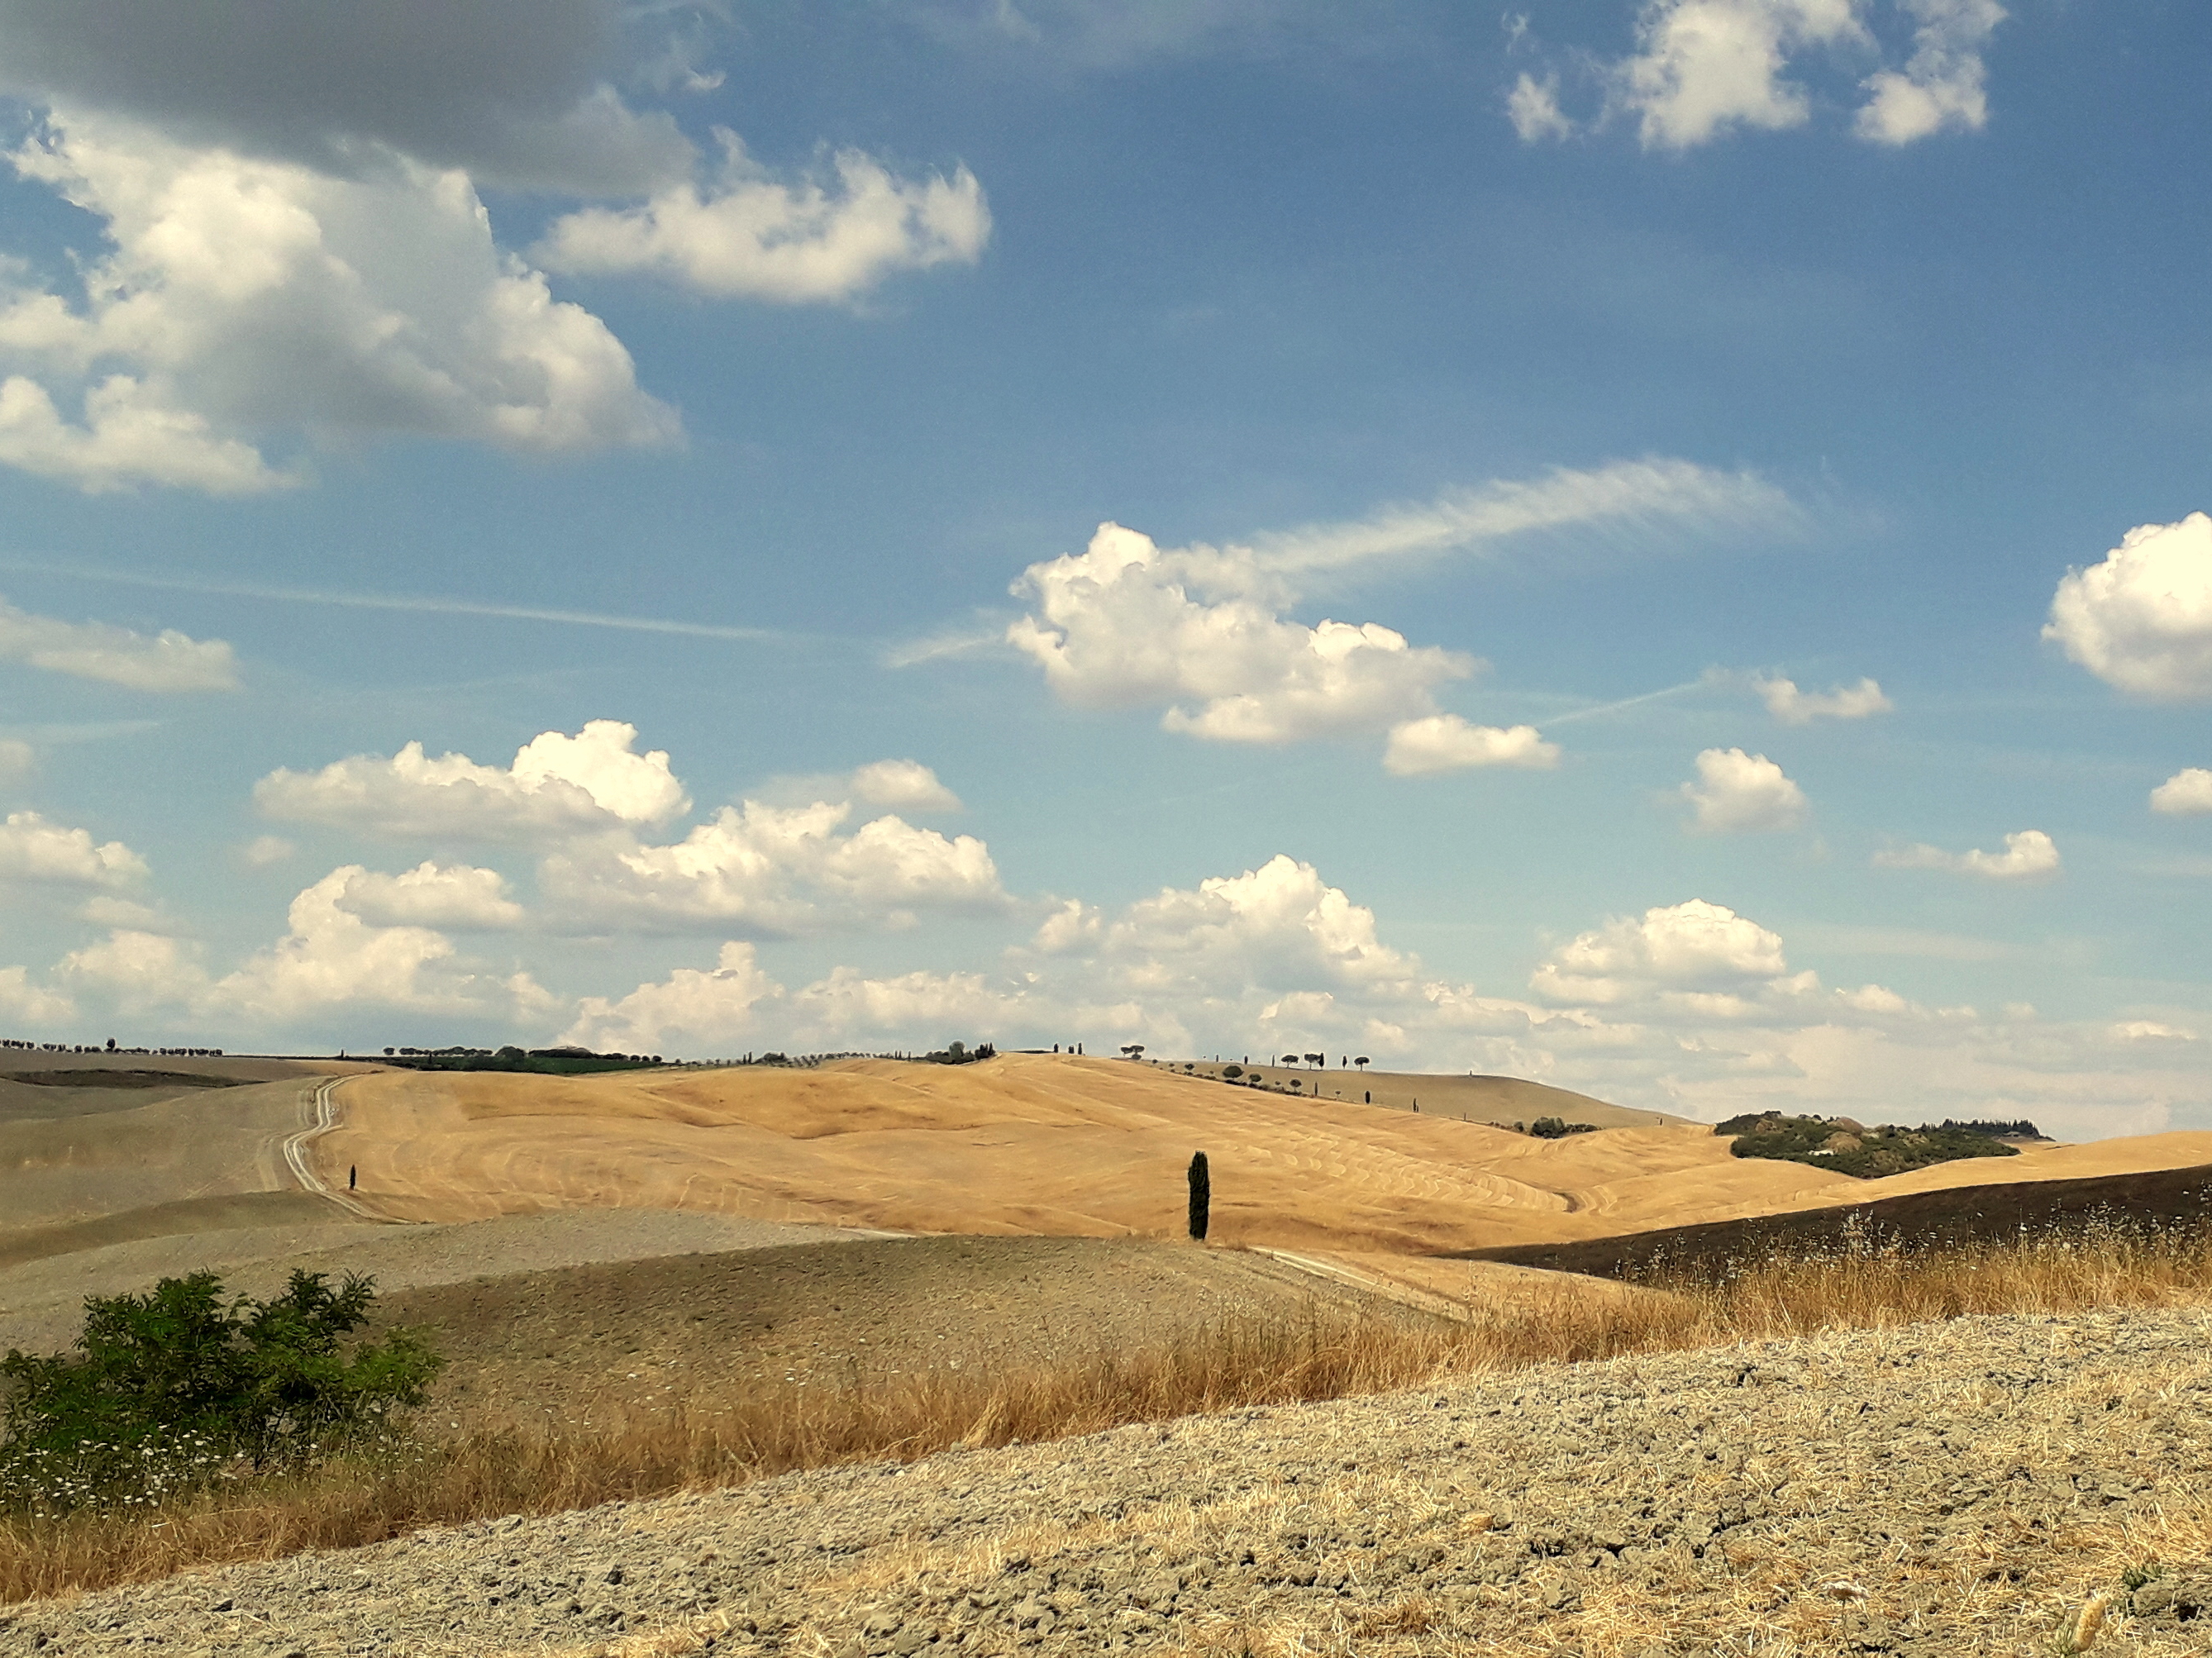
(1964, 1489)
(1068, 1146)
(696, 1332)
(1925, 1220)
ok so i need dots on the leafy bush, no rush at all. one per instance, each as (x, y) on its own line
(2020, 1129)
(172, 1389)
(1852, 1148)
(1554, 1128)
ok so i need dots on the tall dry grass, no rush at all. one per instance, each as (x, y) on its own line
(711, 1441)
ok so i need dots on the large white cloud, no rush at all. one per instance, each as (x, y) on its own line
(1696, 945)
(1202, 629)
(747, 234)
(1739, 793)
(2142, 620)
(558, 785)
(245, 295)
(431, 895)
(2029, 855)
(1116, 626)
(773, 870)
(330, 957)
(33, 849)
(709, 1013)
(1281, 926)
(168, 661)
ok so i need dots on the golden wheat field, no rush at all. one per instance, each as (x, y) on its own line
(1074, 1146)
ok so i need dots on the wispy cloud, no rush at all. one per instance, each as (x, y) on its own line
(420, 604)
(1624, 497)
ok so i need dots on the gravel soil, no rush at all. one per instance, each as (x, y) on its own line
(1962, 1488)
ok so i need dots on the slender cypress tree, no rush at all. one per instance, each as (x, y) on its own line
(1201, 1195)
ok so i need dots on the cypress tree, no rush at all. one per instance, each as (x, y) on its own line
(1201, 1195)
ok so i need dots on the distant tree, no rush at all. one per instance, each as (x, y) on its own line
(1289, 1059)
(1202, 1196)
(1316, 1061)
(1361, 1062)
(1231, 1073)
(1134, 1050)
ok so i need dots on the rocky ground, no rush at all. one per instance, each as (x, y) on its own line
(1967, 1488)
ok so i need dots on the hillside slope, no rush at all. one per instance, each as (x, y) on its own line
(1063, 1145)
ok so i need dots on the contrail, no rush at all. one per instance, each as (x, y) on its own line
(1626, 702)
(403, 602)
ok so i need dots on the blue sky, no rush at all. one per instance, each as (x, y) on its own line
(1650, 546)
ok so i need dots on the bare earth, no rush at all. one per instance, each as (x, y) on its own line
(1958, 1490)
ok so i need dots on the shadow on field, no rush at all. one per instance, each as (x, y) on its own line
(1918, 1221)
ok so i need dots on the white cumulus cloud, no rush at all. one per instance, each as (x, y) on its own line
(1941, 85)
(1445, 742)
(33, 849)
(2187, 794)
(1707, 65)
(1280, 925)
(29, 1003)
(1795, 707)
(243, 295)
(1739, 793)
(775, 870)
(1116, 625)
(747, 234)
(1703, 68)
(1696, 945)
(902, 784)
(331, 957)
(558, 785)
(697, 1012)
(167, 661)
(430, 895)
(2028, 855)
(2141, 621)
(1202, 629)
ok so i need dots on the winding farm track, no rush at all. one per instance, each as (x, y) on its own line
(296, 1158)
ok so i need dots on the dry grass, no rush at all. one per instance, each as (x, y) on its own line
(710, 1441)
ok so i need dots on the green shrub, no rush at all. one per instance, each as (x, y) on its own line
(1852, 1148)
(172, 1389)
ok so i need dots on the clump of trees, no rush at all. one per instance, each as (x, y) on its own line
(960, 1053)
(1852, 1148)
(553, 1061)
(175, 1389)
(1554, 1128)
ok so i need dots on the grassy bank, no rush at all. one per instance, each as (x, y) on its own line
(714, 1440)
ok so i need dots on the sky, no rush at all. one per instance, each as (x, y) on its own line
(1656, 547)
